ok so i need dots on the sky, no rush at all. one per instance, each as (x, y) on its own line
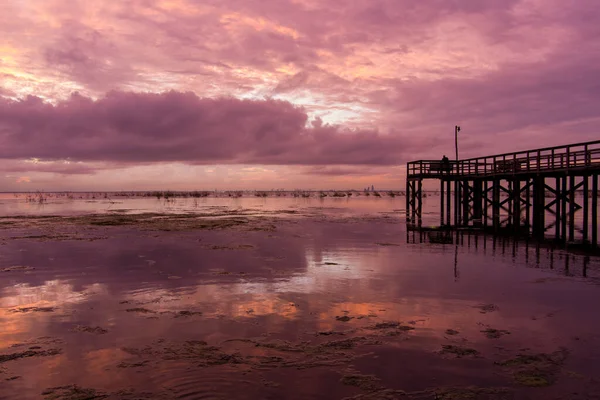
(284, 94)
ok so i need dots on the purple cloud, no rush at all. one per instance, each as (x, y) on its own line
(182, 127)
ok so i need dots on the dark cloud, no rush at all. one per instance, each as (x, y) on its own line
(173, 126)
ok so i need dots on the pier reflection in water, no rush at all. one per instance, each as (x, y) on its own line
(529, 253)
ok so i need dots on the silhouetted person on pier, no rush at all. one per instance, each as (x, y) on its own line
(445, 164)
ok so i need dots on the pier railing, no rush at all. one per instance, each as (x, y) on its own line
(545, 160)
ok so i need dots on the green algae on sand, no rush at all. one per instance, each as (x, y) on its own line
(443, 393)
(390, 325)
(187, 313)
(29, 353)
(487, 308)
(76, 392)
(140, 310)
(535, 370)
(458, 351)
(364, 382)
(148, 221)
(32, 309)
(533, 378)
(90, 329)
(17, 268)
(473, 393)
(73, 392)
(494, 333)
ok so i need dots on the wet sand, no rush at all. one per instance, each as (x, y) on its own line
(291, 303)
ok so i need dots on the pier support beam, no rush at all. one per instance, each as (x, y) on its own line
(539, 207)
(414, 201)
(595, 210)
(485, 203)
(563, 211)
(407, 194)
(457, 203)
(465, 202)
(448, 189)
(420, 201)
(558, 201)
(477, 202)
(442, 198)
(572, 208)
(528, 185)
(586, 211)
(496, 204)
(516, 204)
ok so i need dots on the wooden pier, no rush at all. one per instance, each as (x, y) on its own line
(548, 192)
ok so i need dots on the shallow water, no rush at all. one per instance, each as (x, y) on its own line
(298, 299)
(357, 204)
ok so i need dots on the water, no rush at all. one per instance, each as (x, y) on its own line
(92, 203)
(284, 298)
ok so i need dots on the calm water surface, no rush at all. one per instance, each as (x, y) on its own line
(298, 299)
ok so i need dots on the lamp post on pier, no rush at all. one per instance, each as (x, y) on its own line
(456, 130)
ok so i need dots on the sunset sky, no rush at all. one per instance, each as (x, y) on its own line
(268, 94)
